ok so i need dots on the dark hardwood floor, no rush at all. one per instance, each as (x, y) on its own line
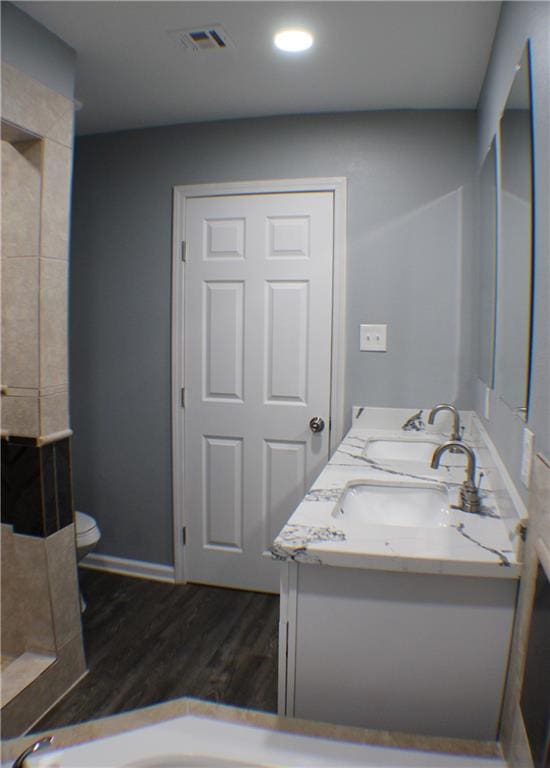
(148, 642)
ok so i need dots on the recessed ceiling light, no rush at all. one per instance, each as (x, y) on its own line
(293, 40)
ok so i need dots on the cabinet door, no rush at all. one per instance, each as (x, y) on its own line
(392, 651)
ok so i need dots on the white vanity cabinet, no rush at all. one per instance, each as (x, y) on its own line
(396, 615)
(420, 653)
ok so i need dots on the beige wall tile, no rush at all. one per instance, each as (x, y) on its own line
(539, 509)
(23, 671)
(56, 389)
(26, 597)
(54, 414)
(513, 736)
(64, 591)
(34, 107)
(56, 190)
(518, 753)
(6, 539)
(37, 698)
(37, 178)
(14, 134)
(21, 180)
(53, 322)
(20, 416)
(9, 636)
(20, 308)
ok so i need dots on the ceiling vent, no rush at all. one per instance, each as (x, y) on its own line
(211, 37)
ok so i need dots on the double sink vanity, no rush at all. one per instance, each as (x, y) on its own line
(397, 605)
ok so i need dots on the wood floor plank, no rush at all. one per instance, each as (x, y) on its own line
(148, 642)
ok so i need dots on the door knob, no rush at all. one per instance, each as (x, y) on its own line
(316, 424)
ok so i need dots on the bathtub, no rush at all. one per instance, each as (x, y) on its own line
(200, 742)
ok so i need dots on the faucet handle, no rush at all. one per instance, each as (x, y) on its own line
(414, 422)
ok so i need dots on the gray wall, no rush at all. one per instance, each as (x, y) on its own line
(410, 260)
(34, 50)
(519, 21)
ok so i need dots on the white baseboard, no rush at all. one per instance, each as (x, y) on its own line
(126, 567)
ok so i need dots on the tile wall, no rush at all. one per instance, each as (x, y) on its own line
(41, 627)
(36, 181)
(514, 733)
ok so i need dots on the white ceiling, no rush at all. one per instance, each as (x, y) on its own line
(367, 55)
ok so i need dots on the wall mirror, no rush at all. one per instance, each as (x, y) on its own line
(515, 246)
(487, 265)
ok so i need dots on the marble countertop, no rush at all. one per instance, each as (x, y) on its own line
(473, 544)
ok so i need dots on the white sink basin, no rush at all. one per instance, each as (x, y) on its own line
(419, 505)
(401, 449)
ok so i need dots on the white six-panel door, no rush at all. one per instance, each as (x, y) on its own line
(257, 365)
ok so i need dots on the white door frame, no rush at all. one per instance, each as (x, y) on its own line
(337, 186)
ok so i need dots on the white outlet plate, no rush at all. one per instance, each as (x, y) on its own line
(527, 456)
(373, 338)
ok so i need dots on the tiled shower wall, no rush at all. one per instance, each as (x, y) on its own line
(40, 605)
(36, 177)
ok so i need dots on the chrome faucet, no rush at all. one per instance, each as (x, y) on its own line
(455, 433)
(40, 744)
(469, 500)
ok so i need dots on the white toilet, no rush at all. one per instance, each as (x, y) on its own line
(87, 536)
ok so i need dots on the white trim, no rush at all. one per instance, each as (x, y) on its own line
(126, 567)
(283, 638)
(178, 292)
(287, 654)
(336, 185)
(339, 282)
